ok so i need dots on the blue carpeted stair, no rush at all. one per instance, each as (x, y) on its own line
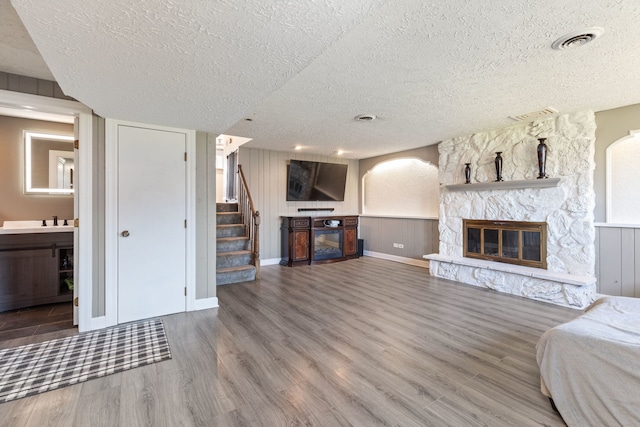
(233, 260)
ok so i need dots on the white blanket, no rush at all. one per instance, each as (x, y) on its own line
(590, 366)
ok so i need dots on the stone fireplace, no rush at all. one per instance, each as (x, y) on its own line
(563, 203)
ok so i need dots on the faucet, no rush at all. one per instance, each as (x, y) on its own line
(55, 220)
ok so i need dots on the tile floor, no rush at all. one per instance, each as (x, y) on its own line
(36, 320)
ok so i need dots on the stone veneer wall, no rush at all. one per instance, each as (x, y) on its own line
(567, 209)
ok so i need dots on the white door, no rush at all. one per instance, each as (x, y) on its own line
(151, 223)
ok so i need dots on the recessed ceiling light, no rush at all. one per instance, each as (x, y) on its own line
(365, 117)
(298, 147)
(577, 38)
(340, 152)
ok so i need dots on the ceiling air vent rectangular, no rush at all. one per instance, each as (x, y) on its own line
(528, 117)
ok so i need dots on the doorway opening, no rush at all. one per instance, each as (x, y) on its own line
(36, 241)
(53, 292)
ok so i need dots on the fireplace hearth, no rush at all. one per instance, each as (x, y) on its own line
(514, 242)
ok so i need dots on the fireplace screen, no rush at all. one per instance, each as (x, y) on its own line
(327, 244)
(515, 242)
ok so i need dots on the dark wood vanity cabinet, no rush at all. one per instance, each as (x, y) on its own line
(316, 240)
(33, 267)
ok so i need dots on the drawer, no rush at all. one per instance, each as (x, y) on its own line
(300, 223)
(353, 220)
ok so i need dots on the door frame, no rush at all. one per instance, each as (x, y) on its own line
(111, 214)
(83, 192)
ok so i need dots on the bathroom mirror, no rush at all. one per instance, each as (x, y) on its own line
(49, 163)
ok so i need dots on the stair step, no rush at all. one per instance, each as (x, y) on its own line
(228, 275)
(230, 230)
(225, 244)
(233, 259)
(226, 207)
(229, 218)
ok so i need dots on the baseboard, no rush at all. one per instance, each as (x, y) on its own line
(270, 261)
(204, 303)
(404, 260)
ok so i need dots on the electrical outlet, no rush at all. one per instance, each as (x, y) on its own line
(400, 245)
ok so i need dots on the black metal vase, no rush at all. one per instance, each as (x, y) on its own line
(467, 173)
(542, 158)
(498, 162)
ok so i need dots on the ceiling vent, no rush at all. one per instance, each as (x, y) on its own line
(534, 115)
(577, 38)
(365, 117)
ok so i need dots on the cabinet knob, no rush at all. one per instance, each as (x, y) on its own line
(125, 233)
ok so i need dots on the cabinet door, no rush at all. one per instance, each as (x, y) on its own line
(350, 241)
(300, 246)
(26, 275)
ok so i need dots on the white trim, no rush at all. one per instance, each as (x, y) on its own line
(270, 261)
(98, 323)
(191, 220)
(205, 303)
(111, 222)
(425, 218)
(633, 134)
(613, 225)
(84, 263)
(111, 215)
(42, 103)
(403, 260)
(84, 192)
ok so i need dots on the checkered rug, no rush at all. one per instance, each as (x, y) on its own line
(36, 368)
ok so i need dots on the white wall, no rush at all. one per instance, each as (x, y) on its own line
(401, 188)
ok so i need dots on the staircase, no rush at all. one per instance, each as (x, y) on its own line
(234, 260)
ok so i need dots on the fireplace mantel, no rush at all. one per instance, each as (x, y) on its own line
(506, 185)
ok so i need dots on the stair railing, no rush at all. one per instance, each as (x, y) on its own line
(251, 219)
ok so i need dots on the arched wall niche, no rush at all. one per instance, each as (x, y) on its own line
(402, 187)
(622, 178)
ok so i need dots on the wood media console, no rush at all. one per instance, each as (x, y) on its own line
(318, 239)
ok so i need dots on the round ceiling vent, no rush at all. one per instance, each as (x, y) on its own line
(577, 38)
(365, 117)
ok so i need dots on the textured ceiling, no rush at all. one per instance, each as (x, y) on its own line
(18, 54)
(302, 70)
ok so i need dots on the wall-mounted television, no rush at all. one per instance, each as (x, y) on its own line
(315, 181)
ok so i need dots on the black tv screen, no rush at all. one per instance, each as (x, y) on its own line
(315, 181)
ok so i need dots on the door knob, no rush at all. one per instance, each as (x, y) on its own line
(125, 233)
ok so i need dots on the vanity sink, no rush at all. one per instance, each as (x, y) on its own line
(34, 226)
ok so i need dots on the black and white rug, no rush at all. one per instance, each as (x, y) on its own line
(36, 368)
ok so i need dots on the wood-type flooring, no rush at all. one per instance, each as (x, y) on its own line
(37, 320)
(358, 343)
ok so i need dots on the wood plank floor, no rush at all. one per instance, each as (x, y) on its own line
(357, 343)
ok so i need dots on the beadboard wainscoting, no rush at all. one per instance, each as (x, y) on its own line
(418, 236)
(618, 259)
(266, 173)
